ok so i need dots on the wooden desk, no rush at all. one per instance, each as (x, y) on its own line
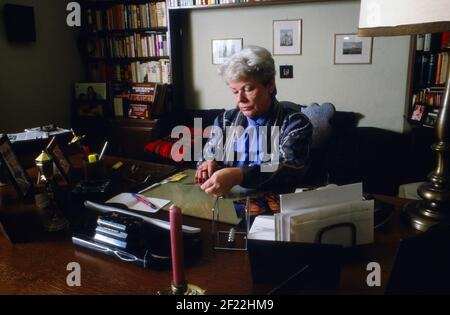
(39, 267)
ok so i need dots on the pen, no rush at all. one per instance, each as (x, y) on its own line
(144, 200)
(103, 150)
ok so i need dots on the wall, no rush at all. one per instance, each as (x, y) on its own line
(375, 90)
(36, 79)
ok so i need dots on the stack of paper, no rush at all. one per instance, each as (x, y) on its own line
(304, 216)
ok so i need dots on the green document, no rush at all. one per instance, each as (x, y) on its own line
(195, 202)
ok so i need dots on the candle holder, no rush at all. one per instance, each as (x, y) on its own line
(55, 221)
(186, 289)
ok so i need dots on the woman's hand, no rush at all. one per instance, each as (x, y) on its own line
(205, 171)
(222, 181)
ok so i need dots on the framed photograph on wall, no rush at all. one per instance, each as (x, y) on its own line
(352, 49)
(287, 37)
(18, 176)
(62, 163)
(224, 48)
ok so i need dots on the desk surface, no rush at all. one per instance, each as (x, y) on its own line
(39, 267)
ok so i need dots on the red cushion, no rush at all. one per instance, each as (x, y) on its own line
(163, 146)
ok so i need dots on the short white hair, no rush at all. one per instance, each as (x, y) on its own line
(252, 61)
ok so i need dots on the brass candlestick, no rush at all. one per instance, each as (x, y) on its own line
(55, 221)
(186, 289)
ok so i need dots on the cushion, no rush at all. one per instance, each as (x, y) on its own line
(320, 116)
(163, 146)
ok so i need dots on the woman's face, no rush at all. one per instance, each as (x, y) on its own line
(252, 97)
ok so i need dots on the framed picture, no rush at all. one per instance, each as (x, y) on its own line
(17, 174)
(352, 49)
(286, 72)
(62, 163)
(418, 113)
(224, 48)
(430, 119)
(90, 98)
(287, 37)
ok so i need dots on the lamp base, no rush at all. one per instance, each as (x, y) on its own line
(186, 289)
(422, 216)
(56, 223)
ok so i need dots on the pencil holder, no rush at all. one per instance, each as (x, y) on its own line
(94, 170)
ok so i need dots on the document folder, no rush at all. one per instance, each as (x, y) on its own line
(293, 267)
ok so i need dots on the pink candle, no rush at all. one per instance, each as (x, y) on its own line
(176, 244)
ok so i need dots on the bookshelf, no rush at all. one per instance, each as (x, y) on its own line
(428, 75)
(124, 44)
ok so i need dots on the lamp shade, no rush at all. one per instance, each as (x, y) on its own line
(403, 17)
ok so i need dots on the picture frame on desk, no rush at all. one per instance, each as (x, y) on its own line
(17, 174)
(60, 160)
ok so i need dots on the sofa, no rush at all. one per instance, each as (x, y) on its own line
(342, 152)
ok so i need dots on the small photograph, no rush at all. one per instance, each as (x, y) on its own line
(286, 37)
(60, 160)
(286, 72)
(18, 175)
(418, 113)
(352, 48)
(224, 48)
(89, 98)
(90, 91)
(430, 119)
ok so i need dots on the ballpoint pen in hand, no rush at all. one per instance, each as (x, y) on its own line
(144, 200)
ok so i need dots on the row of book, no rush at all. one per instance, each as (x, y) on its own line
(431, 97)
(137, 72)
(131, 16)
(185, 3)
(430, 68)
(131, 46)
(120, 99)
(432, 41)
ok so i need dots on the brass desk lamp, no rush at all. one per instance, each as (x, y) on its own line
(409, 17)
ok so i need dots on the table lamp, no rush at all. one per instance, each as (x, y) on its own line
(409, 17)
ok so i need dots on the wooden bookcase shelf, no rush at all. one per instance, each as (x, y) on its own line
(123, 42)
(426, 79)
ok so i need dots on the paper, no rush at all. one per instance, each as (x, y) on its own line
(330, 215)
(132, 203)
(317, 198)
(192, 200)
(263, 228)
(35, 133)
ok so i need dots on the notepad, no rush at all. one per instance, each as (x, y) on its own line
(128, 200)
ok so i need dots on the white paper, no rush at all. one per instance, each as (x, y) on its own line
(263, 228)
(132, 203)
(318, 198)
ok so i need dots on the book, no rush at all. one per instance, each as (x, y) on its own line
(138, 110)
(143, 92)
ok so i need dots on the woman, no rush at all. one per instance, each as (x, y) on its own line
(250, 75)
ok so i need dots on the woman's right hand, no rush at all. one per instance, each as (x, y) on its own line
(205, 171)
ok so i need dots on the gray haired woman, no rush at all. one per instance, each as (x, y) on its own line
(250, 75)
